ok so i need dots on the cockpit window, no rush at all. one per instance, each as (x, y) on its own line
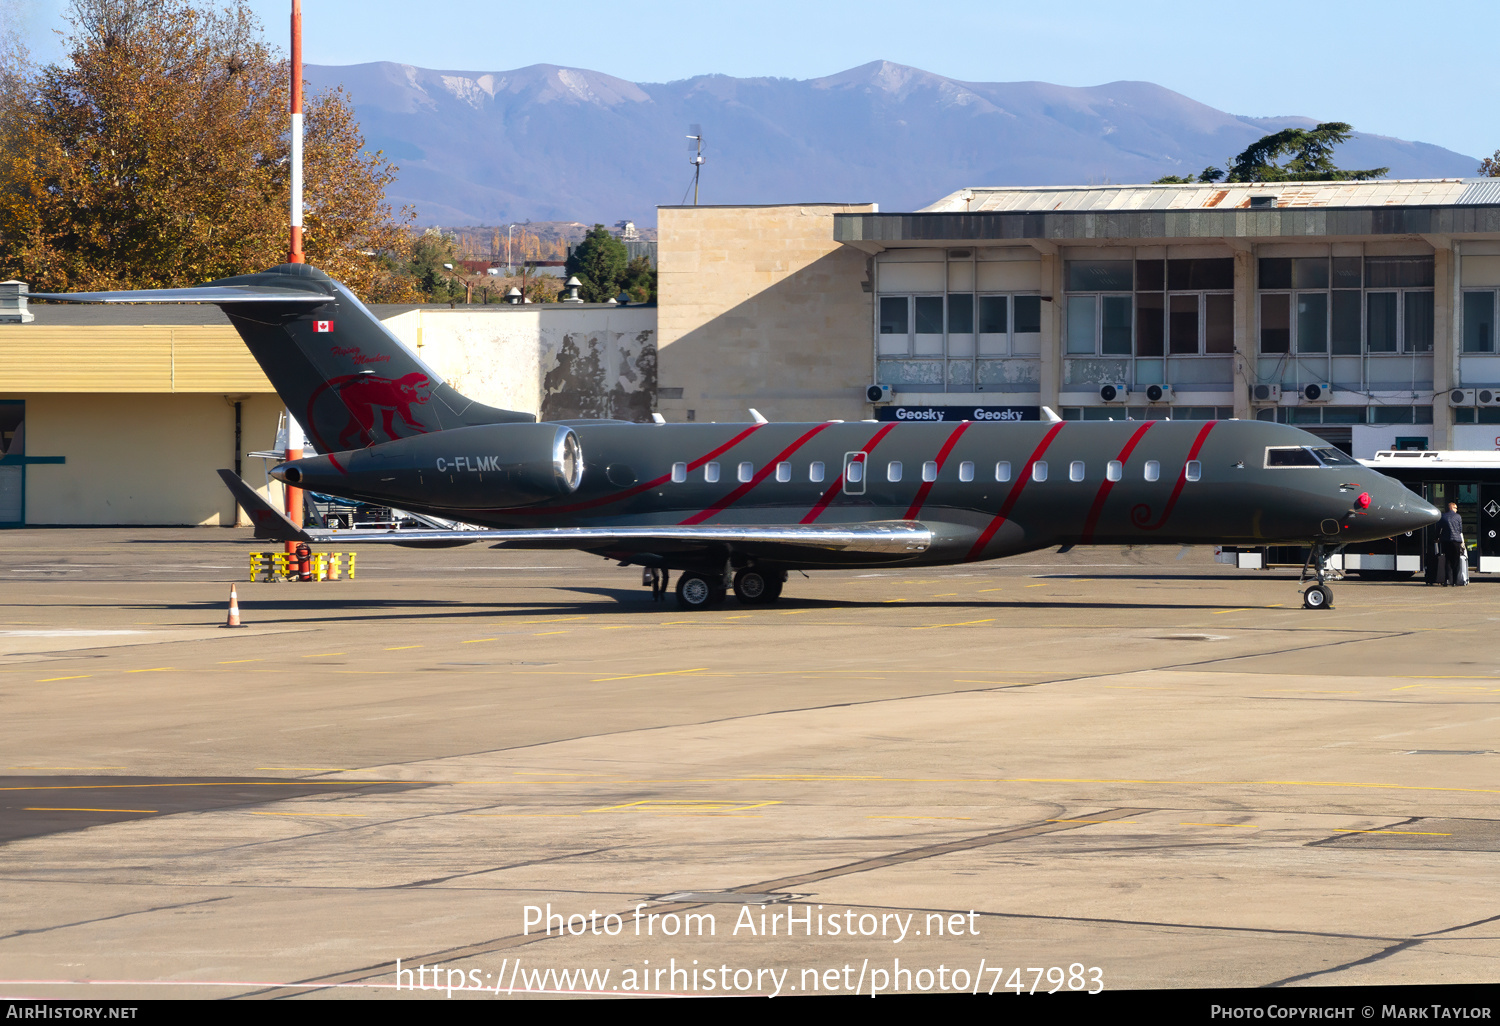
(1290, 456)
(1332, 457)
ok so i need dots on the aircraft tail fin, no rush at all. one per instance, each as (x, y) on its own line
(270, 524)
(347, 379)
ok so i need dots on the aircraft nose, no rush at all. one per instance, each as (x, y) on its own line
(1404, 510)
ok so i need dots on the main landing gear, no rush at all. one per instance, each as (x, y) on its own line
(699, 590)
(1319, 595)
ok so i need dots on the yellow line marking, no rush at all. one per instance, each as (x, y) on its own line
(39, 808)
(310, 769)
(1220, 612)
(475, 641)
(398, 648)
(919, 817)
(1242, 826)
(1308, 691)
(1091, 821)
(344, 815)
(540, 634)
(966, 623)
(664, 673)
(1042, 585)
(519, 815)
(983, 590)
(959, 680)
(653, 805)
(1418, 833)
(226, 662)
(154, 669)
(80, 676)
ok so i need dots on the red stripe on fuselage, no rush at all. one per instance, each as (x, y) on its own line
(1181, 477)
(761, 475)
(636, 489)
(916, 506)
(838, 482)
(1015, 494)
(1098, 508)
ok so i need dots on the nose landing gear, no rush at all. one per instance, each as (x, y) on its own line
(1319, 595)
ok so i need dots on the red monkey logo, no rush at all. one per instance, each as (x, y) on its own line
(363, 395)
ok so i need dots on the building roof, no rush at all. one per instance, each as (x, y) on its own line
(1421, 192)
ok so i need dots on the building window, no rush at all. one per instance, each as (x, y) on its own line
(1479, 322)
(1345, 306)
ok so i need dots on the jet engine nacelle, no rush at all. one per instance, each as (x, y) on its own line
(494, 466)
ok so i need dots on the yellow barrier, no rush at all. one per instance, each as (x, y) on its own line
(279, 566)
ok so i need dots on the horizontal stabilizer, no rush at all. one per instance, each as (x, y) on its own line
(270, 525)
(217, 294)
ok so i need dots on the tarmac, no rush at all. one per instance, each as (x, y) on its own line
(1110, 769)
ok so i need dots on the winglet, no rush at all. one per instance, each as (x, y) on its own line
(1050, 414)
(270, 525)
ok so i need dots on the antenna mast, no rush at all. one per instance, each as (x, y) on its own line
(695, 147)
(294, 254)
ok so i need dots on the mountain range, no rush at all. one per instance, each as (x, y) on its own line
(554, 143)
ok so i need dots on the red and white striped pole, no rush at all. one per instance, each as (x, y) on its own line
(294, 255)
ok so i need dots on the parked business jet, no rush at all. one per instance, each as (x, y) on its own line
(738, 506)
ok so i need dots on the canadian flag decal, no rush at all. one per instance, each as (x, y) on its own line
(322, 325)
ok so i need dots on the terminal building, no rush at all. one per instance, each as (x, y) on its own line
(1361, 311)
(1364, 312)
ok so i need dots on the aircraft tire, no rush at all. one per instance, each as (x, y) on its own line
(694, 591)
(1319, 596)
(752, 587)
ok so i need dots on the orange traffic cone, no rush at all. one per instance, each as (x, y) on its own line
(234, 609)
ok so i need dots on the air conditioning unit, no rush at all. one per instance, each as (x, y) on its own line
(1265, 393)
(1159, 394)
(1462, 396)
(1486, 396)
(1116, 393)
(1318, 392)
(878, 394)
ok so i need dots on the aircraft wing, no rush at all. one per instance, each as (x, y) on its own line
(200, 294)
(890, 537)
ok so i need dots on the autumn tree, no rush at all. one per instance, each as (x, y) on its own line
(156, 155)
(1310, 150)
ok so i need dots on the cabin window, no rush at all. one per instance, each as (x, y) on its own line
(893, 470)
(1114, 471)
(966, 471)
(1153, 470)
(855, 471)
(1194, 470)
(711, 473)
(929, 471)
(815, 471)
(1002, 471)
(747, 471)
(1075, 470)
(783, 472)
(1039, 470)
(679, 473)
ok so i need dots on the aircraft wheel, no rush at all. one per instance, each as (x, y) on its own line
(1319, 596)
(694, 591)
(753, 587)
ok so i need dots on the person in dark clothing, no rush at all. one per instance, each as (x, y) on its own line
(1450, 533)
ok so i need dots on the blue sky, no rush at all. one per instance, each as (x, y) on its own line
(1421, 72)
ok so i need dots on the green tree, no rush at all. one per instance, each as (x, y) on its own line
(1310, 150)
(156, 155)
(639, 281)
(1490, 166)
(599, 261)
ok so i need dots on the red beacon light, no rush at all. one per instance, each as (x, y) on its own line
(1363, 502)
